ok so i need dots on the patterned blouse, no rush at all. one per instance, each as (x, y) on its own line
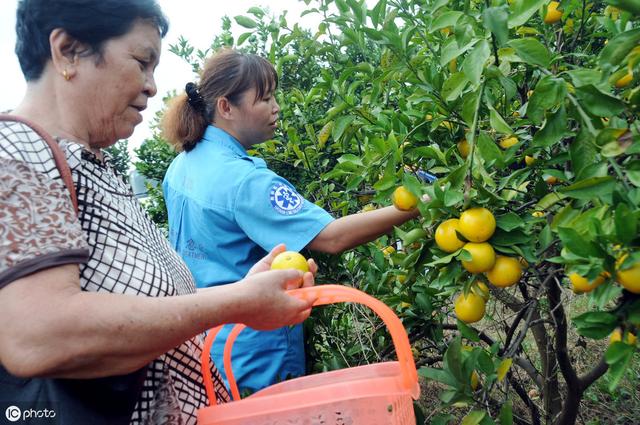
(118, 247)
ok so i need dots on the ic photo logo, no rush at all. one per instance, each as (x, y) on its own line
(13, 413)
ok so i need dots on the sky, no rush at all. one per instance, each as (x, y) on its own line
(197, 20)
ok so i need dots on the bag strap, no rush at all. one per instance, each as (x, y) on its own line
(58, 155)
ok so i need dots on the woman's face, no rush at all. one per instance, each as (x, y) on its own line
(111, 93)
(258, 118)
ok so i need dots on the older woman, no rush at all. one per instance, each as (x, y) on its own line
(101, 321)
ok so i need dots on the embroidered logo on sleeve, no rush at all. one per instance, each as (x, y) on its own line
(285, 199)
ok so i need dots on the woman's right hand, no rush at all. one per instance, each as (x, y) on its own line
(266, 304)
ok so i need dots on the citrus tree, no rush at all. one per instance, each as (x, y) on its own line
(527, 253)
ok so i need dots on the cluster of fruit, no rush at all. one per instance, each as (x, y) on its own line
(471, 232)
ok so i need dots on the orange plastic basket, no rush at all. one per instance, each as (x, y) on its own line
(377, 394)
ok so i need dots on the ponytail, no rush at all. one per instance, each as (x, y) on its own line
(185, 119)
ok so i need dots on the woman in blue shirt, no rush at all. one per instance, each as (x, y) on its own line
(227, 209)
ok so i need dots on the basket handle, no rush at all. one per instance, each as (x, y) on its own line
(323, 294)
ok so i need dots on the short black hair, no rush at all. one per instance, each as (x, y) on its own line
(89, 21)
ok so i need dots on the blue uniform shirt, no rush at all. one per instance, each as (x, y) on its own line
(226, 211)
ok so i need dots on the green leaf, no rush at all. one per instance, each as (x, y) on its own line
(245, 21)
(549, 92)
(576, 243)
(498, 123)
(548, 200)
(474, 417)
(452, 88)
(626, 224)
(522, 10)
(447, 19)
(495, 19)
(531, 51)
(467, 331)
(629, 5)
(618, 48)
(596, 324)
(509, 221)
(506, 413)
(490, 151)
(618, 356)
(553, 130)
(452, 197)
(582, 77)
(599, 103)
(591, 188)
(340, 126)
(474, 63)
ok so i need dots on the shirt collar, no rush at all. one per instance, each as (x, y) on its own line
(223, 139)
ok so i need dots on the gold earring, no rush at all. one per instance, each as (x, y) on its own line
(66, 75)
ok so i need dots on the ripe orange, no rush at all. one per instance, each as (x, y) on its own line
(624, 81)
(477, 224)
(629, 278)
(453, 65)
(464, 148)
(483, 257)
(553, 14)
(507, 142)
(290, 260)
(403, 199)
(506, 271)
(551, 179)
(529, 160)
(469, 308)
(616, 336)
(581, 285)
(446, 237)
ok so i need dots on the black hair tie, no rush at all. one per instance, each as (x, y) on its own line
(194, 98)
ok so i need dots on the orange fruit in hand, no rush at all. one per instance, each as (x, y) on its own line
(446, 237)
(506, 271)
(290, 260)
(483, 257)
(403, 199)
(469, 308)
(477, 224)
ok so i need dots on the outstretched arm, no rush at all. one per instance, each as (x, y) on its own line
(355, 229)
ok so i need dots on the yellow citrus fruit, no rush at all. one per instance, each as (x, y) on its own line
(506, 271)
(475, 380)
(482, 289)
(290, 260)
(428, 117)
(507, 142)
(403, 199)
(551, 179)
(553, 14)
(453, 65)
(529, 160)
(616, 336)
(538, 214)
(447, 124)
(477, 224)
(624, 81)
(388, 250)
(464, 148)
(580, 284)
(529, 93)
(402, 278)
(445, 31)
(629, 278)
(446, 237)
(469, 308)
(483, 257)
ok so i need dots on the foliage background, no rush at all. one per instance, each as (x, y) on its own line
(380, 93)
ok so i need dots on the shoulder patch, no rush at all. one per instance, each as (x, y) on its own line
(284, 199)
